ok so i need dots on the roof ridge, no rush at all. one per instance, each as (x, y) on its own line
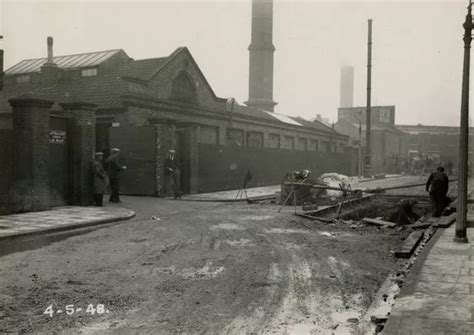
(79, 54)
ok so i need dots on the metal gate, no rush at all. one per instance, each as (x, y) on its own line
(59, 160)
(138, 152)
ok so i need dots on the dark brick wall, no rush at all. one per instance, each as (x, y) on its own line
(223, 167)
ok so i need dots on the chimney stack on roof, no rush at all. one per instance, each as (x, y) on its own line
(50, 72)
(50, 61)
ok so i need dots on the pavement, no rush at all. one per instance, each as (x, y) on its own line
(59, 219)
(438, 295)
(234, 195)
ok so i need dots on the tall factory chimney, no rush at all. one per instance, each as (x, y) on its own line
(261, 51)
(347, 86)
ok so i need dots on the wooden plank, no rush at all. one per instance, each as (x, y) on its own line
(408, 248)
(445, 221)
(377, 222)
(326, 220)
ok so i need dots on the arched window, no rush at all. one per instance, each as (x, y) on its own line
(183, 88)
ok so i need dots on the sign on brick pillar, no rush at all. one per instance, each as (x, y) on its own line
(30, 190)
(165, 140)
(82, 147)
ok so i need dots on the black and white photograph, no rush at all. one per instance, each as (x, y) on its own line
(236, 167)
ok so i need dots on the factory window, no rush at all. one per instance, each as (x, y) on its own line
(91, 72)
(235, 137)
(23, 79)
(302, 144)
(313, 145)
(254, 139)
(208, 135)
(183, 88)
(289, 142)
(274, 141)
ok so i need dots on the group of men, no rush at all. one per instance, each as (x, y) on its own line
(108, 173)
(105, 174)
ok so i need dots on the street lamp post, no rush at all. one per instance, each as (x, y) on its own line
(461, 233)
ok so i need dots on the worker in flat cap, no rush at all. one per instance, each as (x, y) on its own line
(173, 174)
(101, 180)
(114, 169)
(437, 185)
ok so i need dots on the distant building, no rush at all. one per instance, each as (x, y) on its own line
(347, 86)
(321, 119)
(389, 145)
(441, 142)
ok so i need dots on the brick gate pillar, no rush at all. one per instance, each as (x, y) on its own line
(31, 187)
(82, 146)
(165, 130)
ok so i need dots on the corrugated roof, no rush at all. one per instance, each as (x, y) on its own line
(64, 62)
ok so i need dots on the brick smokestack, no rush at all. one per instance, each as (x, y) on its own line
(261, 51)
(347, 86)
(50, 51)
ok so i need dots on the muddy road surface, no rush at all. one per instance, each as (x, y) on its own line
(199, 268)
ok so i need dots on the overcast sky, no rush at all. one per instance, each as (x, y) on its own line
(417, 46)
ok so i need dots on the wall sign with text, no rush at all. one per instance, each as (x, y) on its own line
(57, 136)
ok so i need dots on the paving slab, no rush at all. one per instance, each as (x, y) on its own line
(442, 299)
(59, 219)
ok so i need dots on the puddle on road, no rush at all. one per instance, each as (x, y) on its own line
(226, 226)
(208, 271)
(239, 243)
(256, 217)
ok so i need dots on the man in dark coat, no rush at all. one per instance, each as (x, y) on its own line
(173, 174)
(114, 168)
(101, 179)
(438, 184)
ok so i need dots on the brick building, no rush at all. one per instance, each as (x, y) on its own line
(389, 145)
(440, 142)
(148, 106)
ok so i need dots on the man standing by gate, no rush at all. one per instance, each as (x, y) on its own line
(114, 168)
(438, 184)
(173, 174)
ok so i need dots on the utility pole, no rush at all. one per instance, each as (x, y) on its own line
(461, 233)
(368, 168)
(1, 67)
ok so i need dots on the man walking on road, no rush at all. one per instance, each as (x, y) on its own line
(114, 168)
(101, 179)
(438, 184)
(173, 174)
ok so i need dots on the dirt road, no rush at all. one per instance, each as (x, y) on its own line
(201, 268)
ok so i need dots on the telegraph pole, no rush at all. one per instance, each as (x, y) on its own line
(461, 233)
(1, 66)
(368, 168)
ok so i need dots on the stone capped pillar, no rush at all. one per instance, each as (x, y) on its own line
(82, 146)
(165, 130)
(30, 190)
